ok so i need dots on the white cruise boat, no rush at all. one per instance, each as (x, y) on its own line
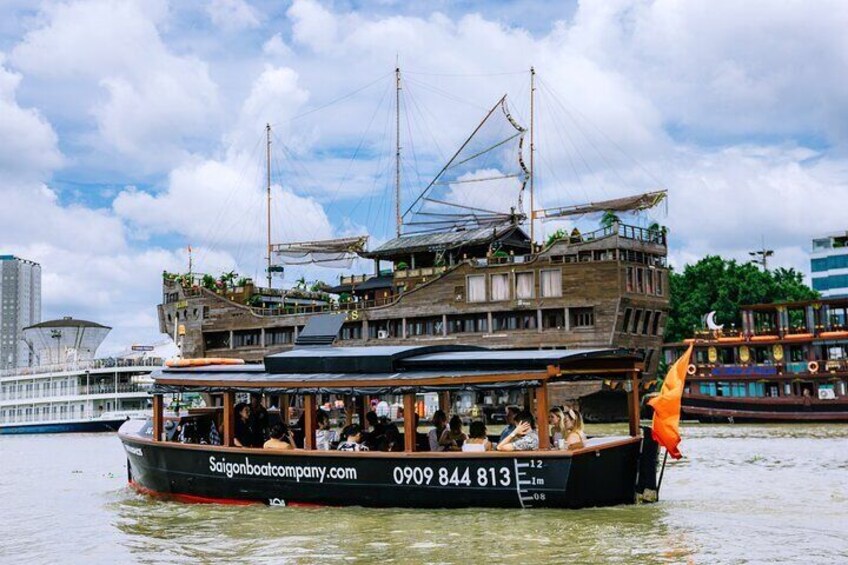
(68, 389)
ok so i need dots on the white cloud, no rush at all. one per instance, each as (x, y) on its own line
(276, 47)
(150, 102)
(233, 15)
(30, 146)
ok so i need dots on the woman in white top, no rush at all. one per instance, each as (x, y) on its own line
(556, 418)
(324, 436)
(477, 438)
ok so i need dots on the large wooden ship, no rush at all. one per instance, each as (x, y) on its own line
(787, 363)
(455, 274)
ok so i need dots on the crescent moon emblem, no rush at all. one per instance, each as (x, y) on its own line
(711, 322)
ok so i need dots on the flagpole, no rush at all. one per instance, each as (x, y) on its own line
(662, 472)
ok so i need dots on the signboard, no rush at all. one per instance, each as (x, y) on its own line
(142, 348)
(736, 370)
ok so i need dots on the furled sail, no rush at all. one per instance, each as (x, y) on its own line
(482, 185)
(634, 203)
(327, 252)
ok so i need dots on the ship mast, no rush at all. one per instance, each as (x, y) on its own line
(532, 155)
(268, 174)
(398, 219)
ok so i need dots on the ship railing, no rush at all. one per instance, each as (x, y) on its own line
(12, 418)
(85, 365)
(821, 366)
(60, 392)
(350, 306)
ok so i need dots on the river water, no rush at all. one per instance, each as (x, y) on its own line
(741, 494)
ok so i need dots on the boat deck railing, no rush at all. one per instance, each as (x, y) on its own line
(820, 368)
(59, 393)
(88, 365)
(49, 417)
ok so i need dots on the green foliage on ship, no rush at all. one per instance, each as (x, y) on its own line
(714, 283)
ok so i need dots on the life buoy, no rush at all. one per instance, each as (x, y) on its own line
(813, 366)
(691, 369)
(203, 362)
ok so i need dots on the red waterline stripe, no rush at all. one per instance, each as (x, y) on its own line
(195, 499)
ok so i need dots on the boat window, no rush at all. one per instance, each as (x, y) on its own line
(640, 280)
(500, 287)
(626, 323)
(636, 321)
(553, 319)
(351, 331)
(246, 338)
(658, 287)
(656, 329)
(476, 288)
(756, 389)
(787, 389)
(628, 278)
(725, 355)
(278, 336)
(524, 283)
(649, 281)
(551, 283)
(477, 323)
(216, 340)
(582, 317)
(646, 323)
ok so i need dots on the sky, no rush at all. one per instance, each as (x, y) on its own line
(130, 130)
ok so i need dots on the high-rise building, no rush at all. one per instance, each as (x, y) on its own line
(829, 265)
(20, 306)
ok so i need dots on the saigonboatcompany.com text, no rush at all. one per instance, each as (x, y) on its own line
(296, 472)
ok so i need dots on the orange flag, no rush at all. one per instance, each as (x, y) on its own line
(666, 424)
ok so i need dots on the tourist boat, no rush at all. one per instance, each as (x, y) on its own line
(456, 274)
(607, 471)
(787, 363)
(69, 389)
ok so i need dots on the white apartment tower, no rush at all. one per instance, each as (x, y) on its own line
(20, 306)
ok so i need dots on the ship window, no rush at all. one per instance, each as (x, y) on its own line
(500, 287)
(524, 283)
(468, 324)
(476, 288)
(278, 336)
(646, 323)
(636, 319)
(626, 323)
(723, 389)
(513, 321)
(658, 287)
(424, 326)
(756, 389)
(582, 317)
(553, 319)
(351, 331)
(640, 280)
(216, 340)
(655, 330)
(551, 282)
(649, 281)
(725, 354)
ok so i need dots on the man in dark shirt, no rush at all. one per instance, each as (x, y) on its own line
(258, 421)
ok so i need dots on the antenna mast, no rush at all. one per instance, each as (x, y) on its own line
(532, 155)
(268, 173)
(398, 219)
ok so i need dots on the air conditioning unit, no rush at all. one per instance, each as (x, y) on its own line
(382, 334)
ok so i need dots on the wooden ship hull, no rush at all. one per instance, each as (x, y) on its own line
(771, 370)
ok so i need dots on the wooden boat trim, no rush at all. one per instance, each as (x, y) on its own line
(599, 444)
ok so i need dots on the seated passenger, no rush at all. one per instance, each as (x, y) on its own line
(214, 434)
(575, 437)
(392, 440)
(523, 437)
(453, 437)
(258, 420)
(373, 436)
(352, 439)
(281, 438)
(433, 437)
(324, 436)
(556, 418)
(244, 434)
(511, 413)
(477, 439)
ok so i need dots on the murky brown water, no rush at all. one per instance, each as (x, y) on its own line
(742, 494)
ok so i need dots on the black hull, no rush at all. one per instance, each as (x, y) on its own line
(602, 477)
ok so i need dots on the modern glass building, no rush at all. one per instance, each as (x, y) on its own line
(20, 306)
(829, 265)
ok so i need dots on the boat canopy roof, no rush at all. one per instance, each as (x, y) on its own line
(508, 234)
(400, 369)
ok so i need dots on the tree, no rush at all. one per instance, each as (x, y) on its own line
(609, 219)
(556, 236)
(714, 283)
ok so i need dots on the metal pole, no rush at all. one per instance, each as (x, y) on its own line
(532, 154)
(268, 173)
(398, 219)
(662, 472)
